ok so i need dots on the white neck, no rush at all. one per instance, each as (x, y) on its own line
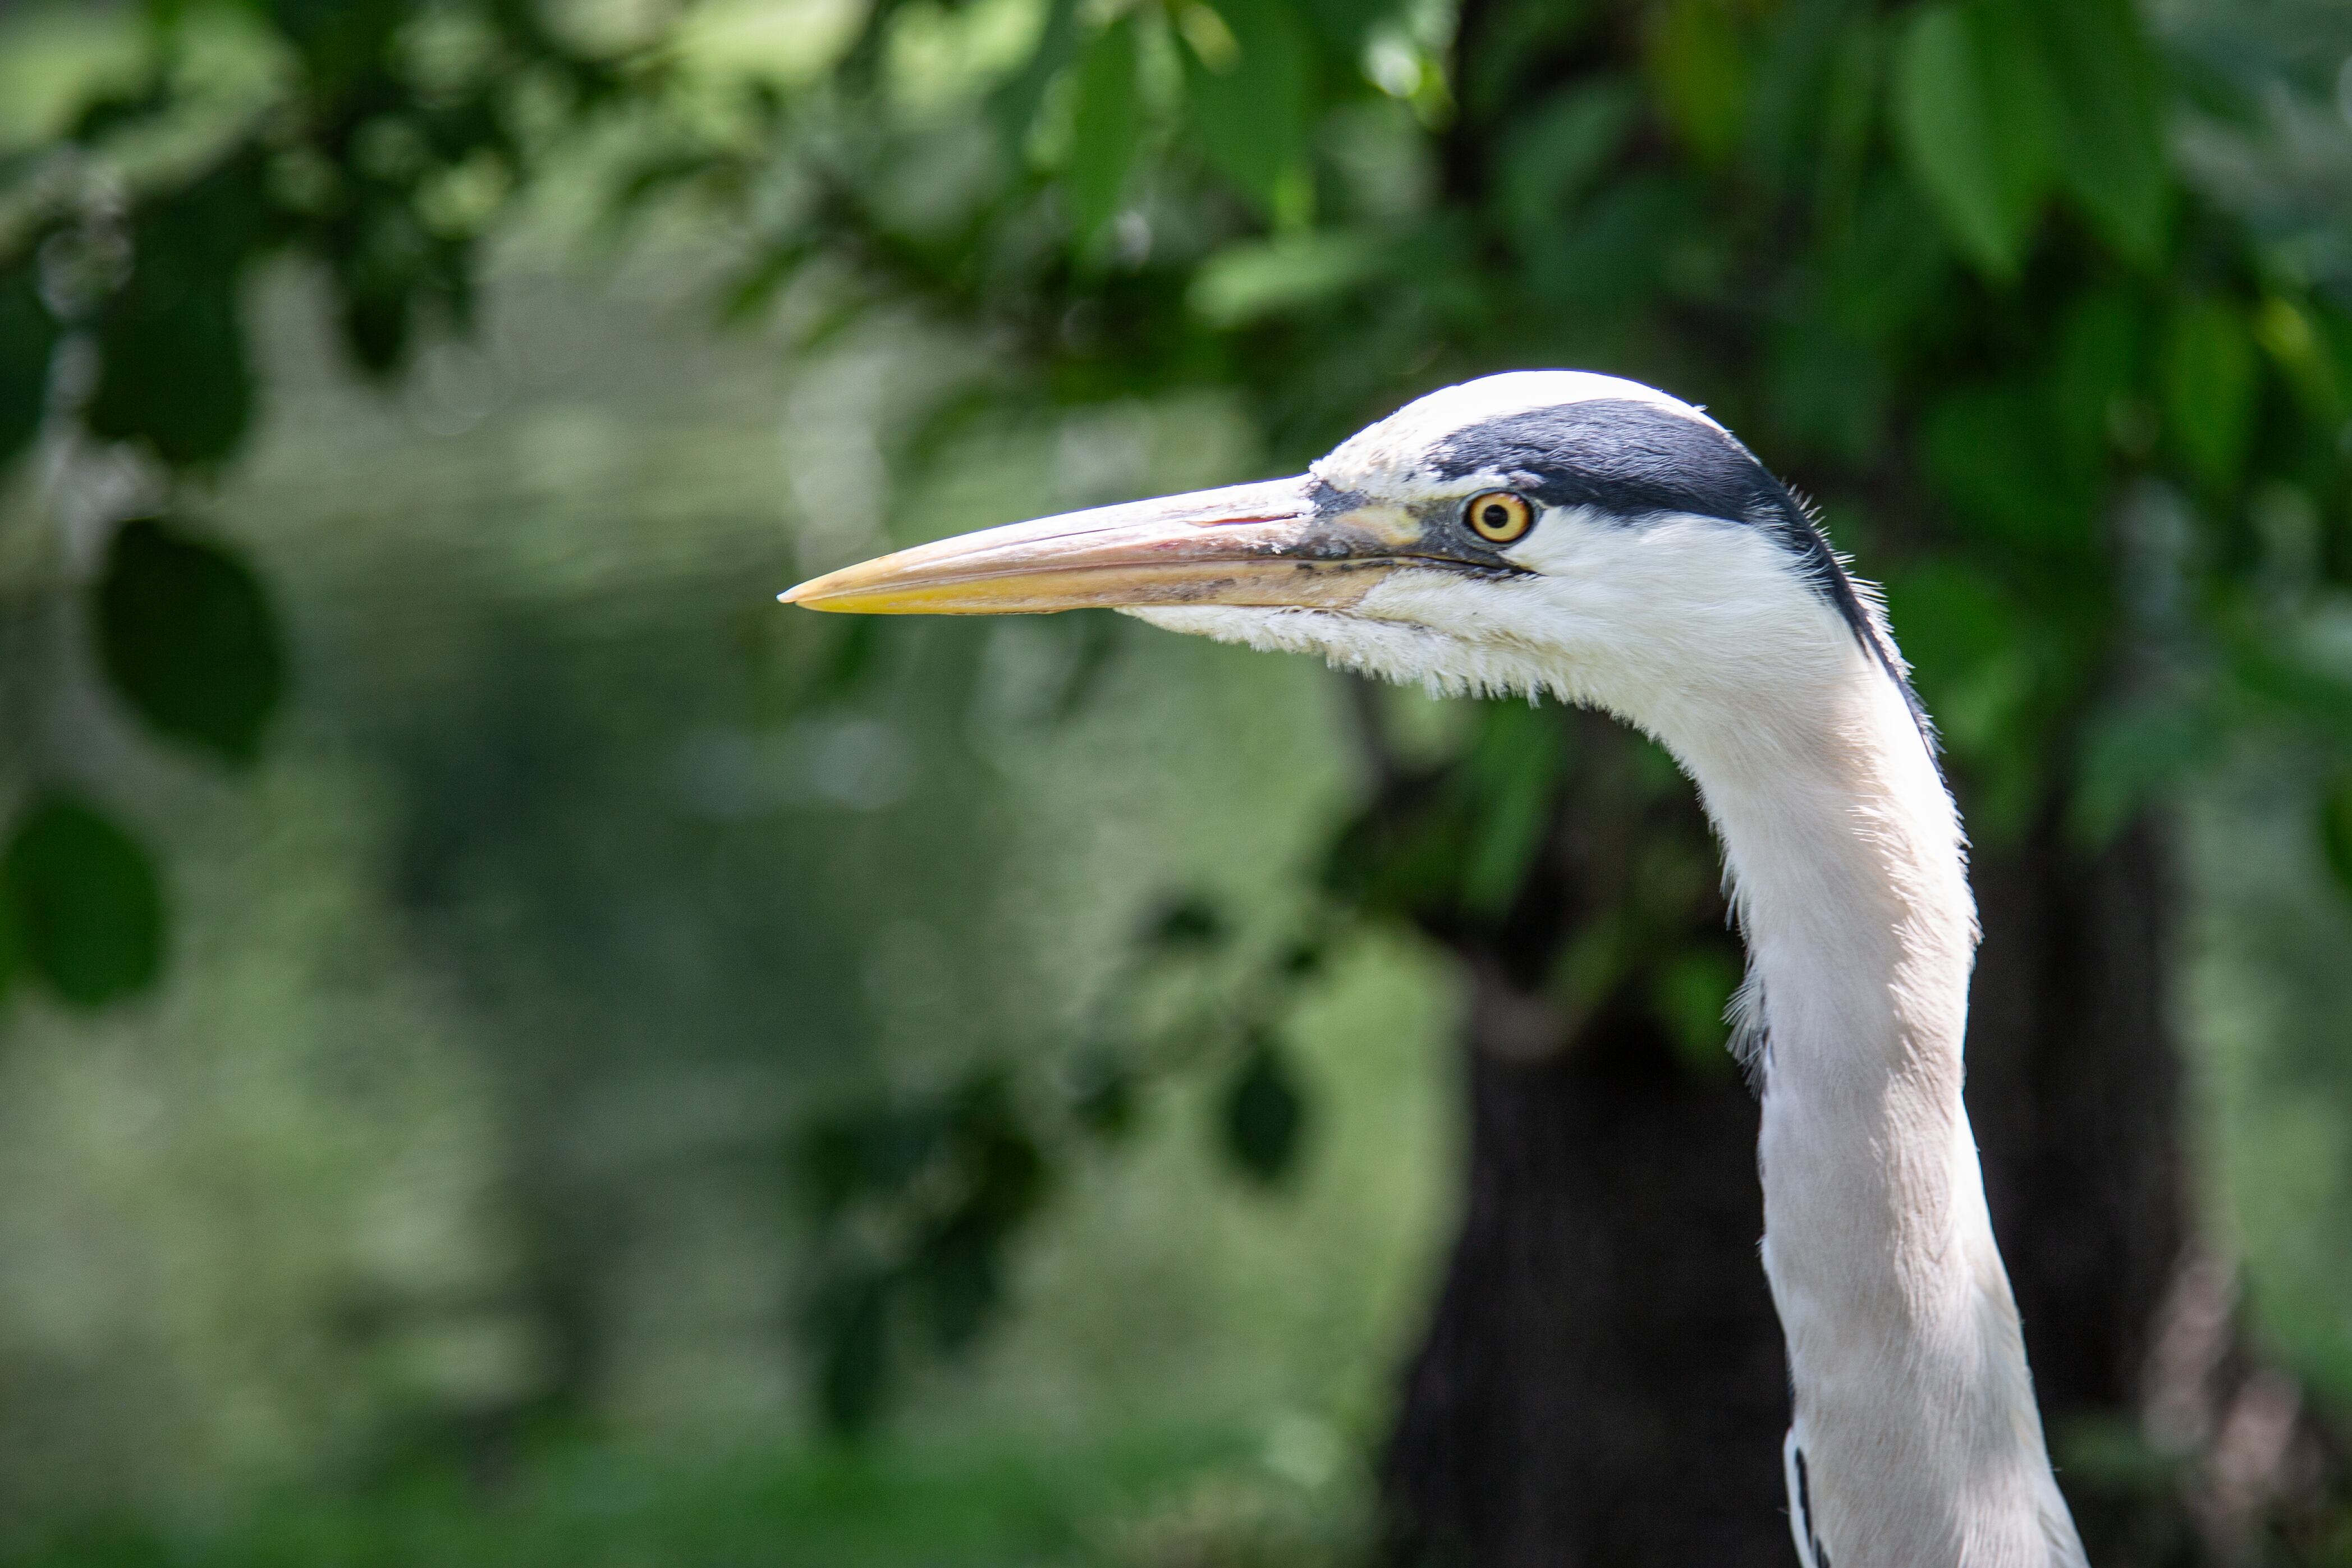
(1915, 1413)
(1915, 1417)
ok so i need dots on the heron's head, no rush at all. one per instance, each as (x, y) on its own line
(1538, 530)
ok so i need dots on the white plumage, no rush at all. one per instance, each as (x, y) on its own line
(1669, 581)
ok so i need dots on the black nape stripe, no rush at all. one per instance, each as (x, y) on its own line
(1620, 455)
(1632, 459)
(1805, 1512)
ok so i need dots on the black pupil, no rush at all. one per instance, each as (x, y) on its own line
(1496, 516)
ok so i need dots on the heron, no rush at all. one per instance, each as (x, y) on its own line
(1592, 540)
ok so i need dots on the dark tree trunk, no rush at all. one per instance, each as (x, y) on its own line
(1602, 1379)
(2075, 1091)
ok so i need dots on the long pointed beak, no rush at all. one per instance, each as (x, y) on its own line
(1266, 543)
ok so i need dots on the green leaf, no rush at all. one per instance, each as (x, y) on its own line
(1264, 1114)
(957, 1275)
(2099, 361)
(1551, 154)
(28, 335)
(1342, 25)
(1613, 260)
(1974, 111)
(851, 1324)
(1812, 89)
(1005, 1170)
(173, 369)
(1249, 71)
(87, 908)
(872, 1150)
(2335, 831)
(2296, 346)
(1989, 448)
(1252, 280)
(1015, 104)
(1701, 66)
(187, 636)
(2208, 388)
(339, 39)
(1193, 923)
(1830, 392)
(1107, 126)
(2110, 146)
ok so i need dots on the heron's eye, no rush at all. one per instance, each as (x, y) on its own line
(1499, 517)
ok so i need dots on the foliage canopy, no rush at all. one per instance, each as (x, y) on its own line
(1944, 264)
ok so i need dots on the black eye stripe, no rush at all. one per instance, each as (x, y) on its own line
(1630, 460)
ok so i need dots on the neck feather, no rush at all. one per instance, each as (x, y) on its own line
(1913, 1409)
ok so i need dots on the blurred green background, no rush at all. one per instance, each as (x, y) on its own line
(539, 932)
(448, 1197)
